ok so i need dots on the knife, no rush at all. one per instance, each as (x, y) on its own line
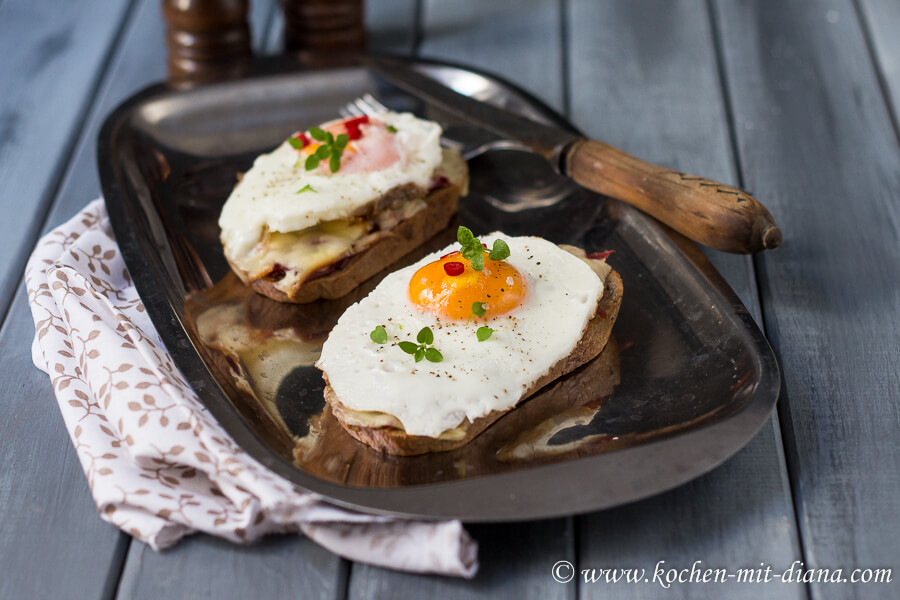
(708, 212)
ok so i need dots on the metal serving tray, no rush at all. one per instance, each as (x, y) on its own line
(685, 382)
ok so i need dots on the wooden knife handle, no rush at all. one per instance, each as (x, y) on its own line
(714, 214)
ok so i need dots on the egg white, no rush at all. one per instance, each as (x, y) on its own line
(474, 377)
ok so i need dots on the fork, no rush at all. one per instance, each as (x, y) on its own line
(468, 141)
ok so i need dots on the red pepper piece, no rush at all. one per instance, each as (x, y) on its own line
(278, 272)
(304, 139)
(438, 182)
(600, 255)
(352, 126)
(454, 268)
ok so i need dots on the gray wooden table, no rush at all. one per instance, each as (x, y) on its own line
(796, 101)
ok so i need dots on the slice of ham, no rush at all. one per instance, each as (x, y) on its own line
(375, 150)
(371, 148)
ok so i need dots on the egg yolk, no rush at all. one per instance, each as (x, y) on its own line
(499, 286)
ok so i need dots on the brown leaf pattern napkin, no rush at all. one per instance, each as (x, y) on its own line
(158, 465)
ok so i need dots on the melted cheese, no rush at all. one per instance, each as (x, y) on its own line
(373, 419)
(304, 252)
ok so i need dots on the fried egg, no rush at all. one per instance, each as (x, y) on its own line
(537, 303)
(279, 195)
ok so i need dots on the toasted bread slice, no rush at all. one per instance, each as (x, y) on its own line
(387, 435)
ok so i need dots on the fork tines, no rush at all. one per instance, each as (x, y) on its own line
(366, 105)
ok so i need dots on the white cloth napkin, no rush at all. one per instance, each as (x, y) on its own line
(158, 465)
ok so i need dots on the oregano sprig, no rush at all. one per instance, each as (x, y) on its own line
(331, 148)
(423, 349)
(473, 250)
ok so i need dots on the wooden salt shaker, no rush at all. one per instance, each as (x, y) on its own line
(207, 40)
(330, 25)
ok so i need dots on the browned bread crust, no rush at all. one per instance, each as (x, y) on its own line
(387, 247)
(393, 440)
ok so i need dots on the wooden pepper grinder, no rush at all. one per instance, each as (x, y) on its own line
(207, 40)
(324, 25)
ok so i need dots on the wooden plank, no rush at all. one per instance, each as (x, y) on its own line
(518, 40)
(816, 141)
(207, 567)
(644, 78)
(882, 22)
(522, 42)
(53, 54)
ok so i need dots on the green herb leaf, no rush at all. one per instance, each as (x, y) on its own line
(425, 336)
(499, 251)
(306, 188)
(478, 309)
(330, 150)
(484, 333)
(469, 252)
(323, 151)
(393, 129)
(379, 335)
(408, 347)
(295, 143)
(465, 236)
(477, 261)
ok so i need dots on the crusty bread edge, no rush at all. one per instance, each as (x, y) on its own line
(391, 440)
(409, 234)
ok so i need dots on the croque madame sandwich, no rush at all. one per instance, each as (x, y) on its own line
(332, 206)
(441, 349)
